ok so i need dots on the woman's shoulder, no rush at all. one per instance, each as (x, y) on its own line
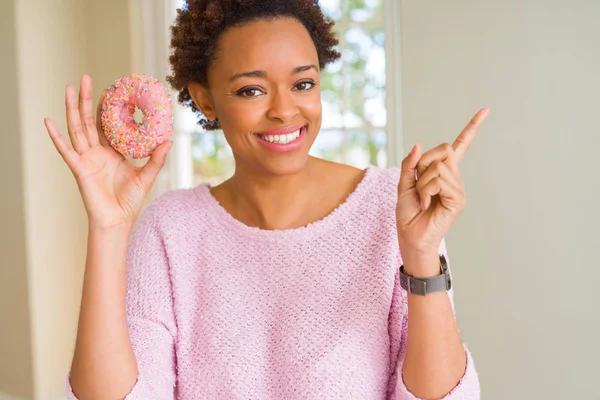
(372, 178)
(173, 207)
(371, 175)
(373, 186)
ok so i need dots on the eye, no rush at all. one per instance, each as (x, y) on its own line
(305, 86)
(249, 92)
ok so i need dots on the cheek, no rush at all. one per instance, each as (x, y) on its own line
(311, 107)
(241, 113)
(237, 119)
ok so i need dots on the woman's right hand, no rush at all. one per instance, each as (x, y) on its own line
(113, 190)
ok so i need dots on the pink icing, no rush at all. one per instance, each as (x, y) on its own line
(128, 137)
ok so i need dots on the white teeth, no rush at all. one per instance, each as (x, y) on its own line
(282, 139)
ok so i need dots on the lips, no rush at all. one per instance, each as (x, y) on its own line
(283, 143)
(281, 131)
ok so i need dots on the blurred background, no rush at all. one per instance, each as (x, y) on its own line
(523, 252)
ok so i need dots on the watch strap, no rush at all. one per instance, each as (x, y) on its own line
(422, 286)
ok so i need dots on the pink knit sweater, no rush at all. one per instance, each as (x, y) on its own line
(220, 310)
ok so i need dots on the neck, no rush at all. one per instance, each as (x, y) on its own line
(274, 202)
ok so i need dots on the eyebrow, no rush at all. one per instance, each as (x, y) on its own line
(263, 74)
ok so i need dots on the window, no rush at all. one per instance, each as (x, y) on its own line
(357, 128)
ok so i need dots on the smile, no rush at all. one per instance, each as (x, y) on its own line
(281, 139)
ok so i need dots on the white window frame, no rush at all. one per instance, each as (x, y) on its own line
(392, 27)
(150, 21)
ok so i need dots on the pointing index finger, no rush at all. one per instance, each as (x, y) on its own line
(464, 140)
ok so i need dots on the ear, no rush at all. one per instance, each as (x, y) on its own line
(202, 99)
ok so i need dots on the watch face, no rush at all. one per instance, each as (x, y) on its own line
(445, 272)
(443, 264)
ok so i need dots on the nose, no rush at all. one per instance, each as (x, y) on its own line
(283, 107)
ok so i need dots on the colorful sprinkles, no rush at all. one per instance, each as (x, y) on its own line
(128, 137)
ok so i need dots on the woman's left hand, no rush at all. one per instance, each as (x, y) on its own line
(431, 192)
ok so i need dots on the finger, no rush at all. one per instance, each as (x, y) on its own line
(101, 135)
(450, 196)
(452, 164)
(408, 171)
(80, 143)
(62, 145)
(86, 110)
(157, 160)
(438, 169)
(439, 153)
(465, 138)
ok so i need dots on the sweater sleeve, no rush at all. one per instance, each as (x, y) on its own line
(468, 386)
(150, 316)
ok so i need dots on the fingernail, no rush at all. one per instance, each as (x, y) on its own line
(413, 150)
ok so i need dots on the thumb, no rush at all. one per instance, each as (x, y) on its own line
(157, 160)
(101, 135)
(408, 173)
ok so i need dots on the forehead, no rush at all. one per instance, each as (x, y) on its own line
(272, 45)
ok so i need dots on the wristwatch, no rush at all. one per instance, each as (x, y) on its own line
(422, 286)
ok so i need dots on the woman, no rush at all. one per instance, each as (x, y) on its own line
(284, 281)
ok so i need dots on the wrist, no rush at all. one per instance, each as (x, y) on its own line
(421, 264)
(122, 229)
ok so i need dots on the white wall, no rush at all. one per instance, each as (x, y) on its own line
(526, 276)
(51, 52)
(48, 44)
(15, 346)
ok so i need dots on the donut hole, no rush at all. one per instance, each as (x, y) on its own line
(138, 116)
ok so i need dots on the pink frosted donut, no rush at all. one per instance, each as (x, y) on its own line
(128, 137)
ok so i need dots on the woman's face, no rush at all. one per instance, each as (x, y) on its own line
(263, 86)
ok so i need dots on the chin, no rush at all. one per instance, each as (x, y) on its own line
(286, 166)
(280, 162)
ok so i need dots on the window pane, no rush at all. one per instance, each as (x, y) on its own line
(354, 89)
